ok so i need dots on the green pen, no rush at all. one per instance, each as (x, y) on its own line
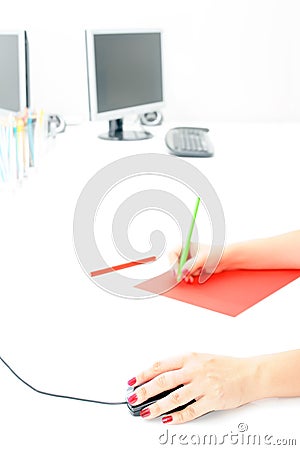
(185, 252)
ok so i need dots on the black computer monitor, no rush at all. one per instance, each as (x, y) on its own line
(124, 77)
(14, 72)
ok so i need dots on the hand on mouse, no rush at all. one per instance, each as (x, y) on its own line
(215, 382)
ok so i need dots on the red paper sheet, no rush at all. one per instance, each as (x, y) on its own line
(229, 292)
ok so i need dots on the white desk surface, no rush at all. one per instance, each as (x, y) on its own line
(63, 334)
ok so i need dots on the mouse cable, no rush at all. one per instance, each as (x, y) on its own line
(58, 395)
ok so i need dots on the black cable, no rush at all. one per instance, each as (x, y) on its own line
(58, 395)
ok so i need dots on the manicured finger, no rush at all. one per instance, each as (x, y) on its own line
(189, 267)
(177, 398)
(161, 383)
(189, 279)
(156, 369)
(174, 257)
(191, 412)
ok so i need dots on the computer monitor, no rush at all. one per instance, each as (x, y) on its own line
(124, 77)
(14, 72)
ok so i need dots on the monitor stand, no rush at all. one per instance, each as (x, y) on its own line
(116, 133)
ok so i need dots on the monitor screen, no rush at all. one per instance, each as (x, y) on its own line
(14, 89)
(124, 74)
(128, 70)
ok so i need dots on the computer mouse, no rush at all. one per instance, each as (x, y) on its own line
(136, 409)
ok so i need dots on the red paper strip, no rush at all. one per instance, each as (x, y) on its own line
(122, 266)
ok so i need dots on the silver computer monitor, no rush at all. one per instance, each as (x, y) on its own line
(124, 77)
(14, 73)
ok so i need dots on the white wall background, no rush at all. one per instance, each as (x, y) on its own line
(223, 59)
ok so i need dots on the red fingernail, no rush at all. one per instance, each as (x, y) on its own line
(145, 412)
(132, 381)
(167, 419)
(132, 399)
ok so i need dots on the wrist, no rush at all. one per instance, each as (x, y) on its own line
(254, 380)
(232, 257)
(264, 380)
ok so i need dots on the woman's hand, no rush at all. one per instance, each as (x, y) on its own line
(277, 252)
(196, 259)
(214, 382)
